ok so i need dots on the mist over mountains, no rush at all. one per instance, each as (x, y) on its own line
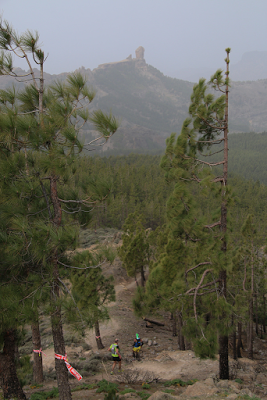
(251, 67)
(150, 105)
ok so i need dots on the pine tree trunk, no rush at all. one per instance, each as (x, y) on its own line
(223, 339)
(264, 310)
(8, 374)
(56, 321)
(250, 338)
(239, 340)
(234, 343)
(180, 335)
(98, 337)
(174, 324)
(59, 348)
(256, 314)
(143, 279)
(37, 358)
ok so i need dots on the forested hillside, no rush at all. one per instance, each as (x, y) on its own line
(138, 184)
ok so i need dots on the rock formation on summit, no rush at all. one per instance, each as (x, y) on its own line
(139, 53)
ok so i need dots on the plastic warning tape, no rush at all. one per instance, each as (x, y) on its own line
(39, 352)
(70, 368)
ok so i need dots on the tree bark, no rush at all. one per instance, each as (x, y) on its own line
(180, 335)
(56, 321)
(256, 314)
(143, 278)
(38, 376)
(234, 341)
(98, 337)
(174, 324)
(8, 374)
(223, 339)
(239, 340)
(263, 321)
(250, 330)
(59, 348)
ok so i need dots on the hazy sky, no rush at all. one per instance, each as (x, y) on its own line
(176, 34)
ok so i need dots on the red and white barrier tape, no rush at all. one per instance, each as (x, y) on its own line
(39, 352)
(70, 368)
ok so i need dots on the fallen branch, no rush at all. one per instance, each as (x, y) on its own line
(153, 322)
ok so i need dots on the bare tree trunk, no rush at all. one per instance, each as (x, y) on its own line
(143, 278)
(188, 345)
(8, 374)
(264, 310)
(174, 324)
(256, 314)
(223, 339)
(38, 376)
(234, 340)
(98, 337)
(250, 330)
(180, 335)
(239, 340)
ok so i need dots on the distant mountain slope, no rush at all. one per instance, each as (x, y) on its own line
(150, 105)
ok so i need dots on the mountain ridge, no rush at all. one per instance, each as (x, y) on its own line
(151, 105)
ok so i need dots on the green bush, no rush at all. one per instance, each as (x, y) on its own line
(145, 386)
(51, 394)
(144, 395)
(84, 386)
(105, 386)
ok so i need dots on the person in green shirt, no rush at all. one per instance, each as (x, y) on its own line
(115, 352)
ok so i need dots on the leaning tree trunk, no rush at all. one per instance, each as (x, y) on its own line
(56, 320)
(38, 376)
(98, 337)
(8, 374)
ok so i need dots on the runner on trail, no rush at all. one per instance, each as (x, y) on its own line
(137, 346)
(115, 352)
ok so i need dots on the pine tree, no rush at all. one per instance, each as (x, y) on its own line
(135, 250)
(48, 129)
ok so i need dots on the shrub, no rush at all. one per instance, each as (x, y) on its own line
(51, 394)
(105, 386)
